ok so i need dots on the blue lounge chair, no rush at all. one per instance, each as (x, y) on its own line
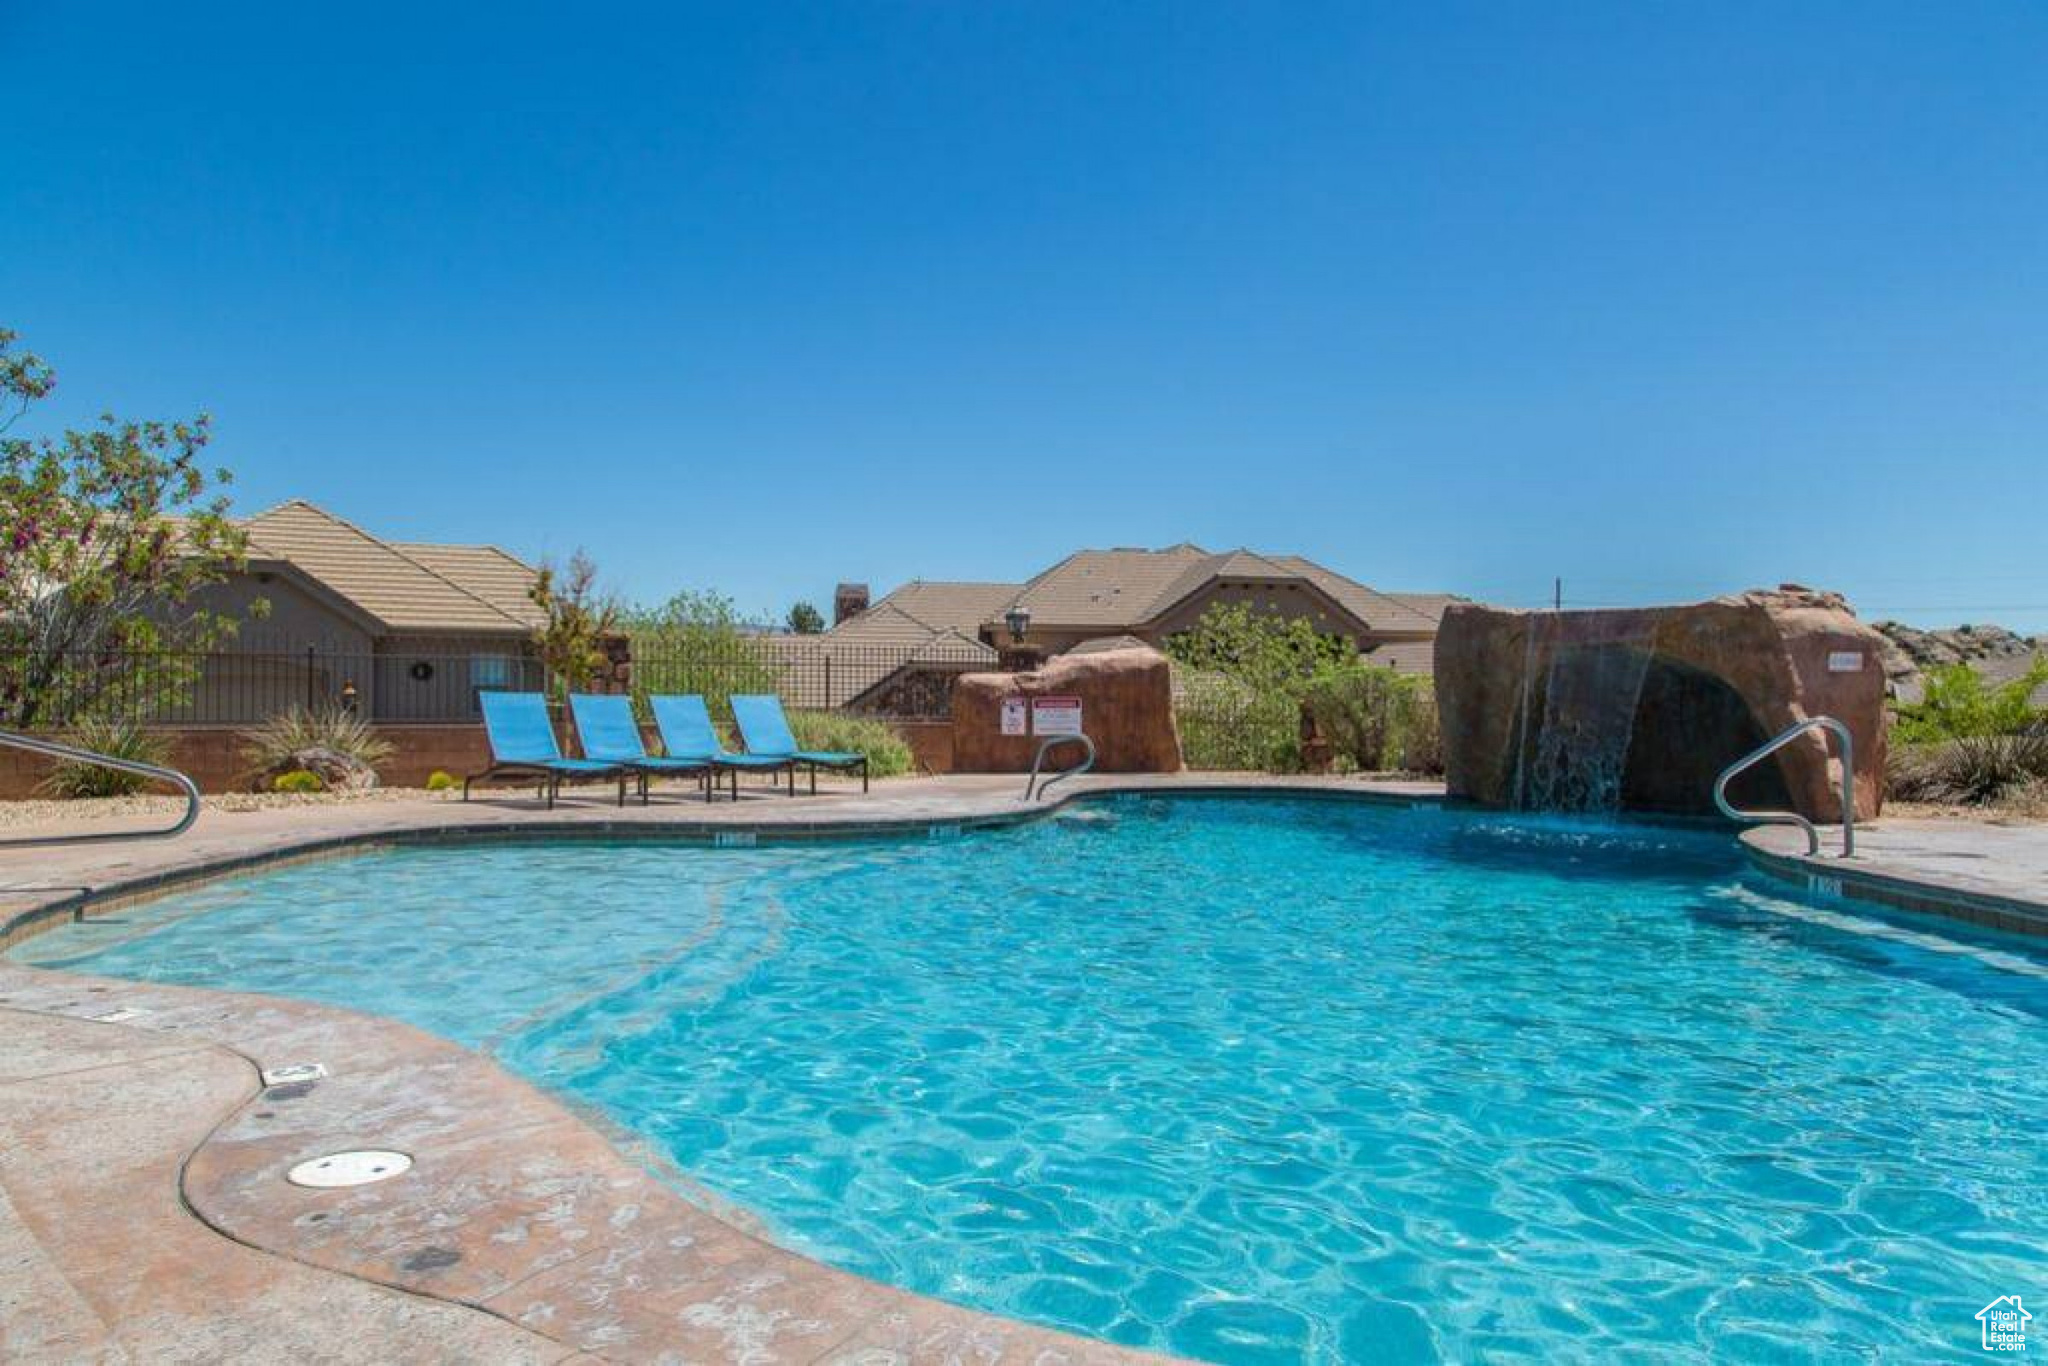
(765, 731)
(605, 725)
(523, 743)
(687, 733)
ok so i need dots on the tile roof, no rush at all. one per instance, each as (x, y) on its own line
(443, 589)
(961, 607)
(1114, 588)
(1380, 611)
(1404, 656)
(499, 578)
(842, 665)
(1122, 589)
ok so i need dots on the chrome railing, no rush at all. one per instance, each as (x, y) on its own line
(1087, 762)
(1772, 746)
(72, 754)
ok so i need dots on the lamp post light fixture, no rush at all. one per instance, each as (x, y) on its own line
(1018, 619)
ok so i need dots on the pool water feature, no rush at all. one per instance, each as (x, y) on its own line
(1243, 1079)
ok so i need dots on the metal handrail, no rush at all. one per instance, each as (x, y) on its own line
(51, 749)
(1087, 762)
(1772, 746)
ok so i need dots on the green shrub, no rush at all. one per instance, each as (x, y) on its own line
(888, 754)
(116, 739)
(1226, 724)
(298, 780)
(1375, 719)
(1971, 770)
(440, 781)
(696, 643)
(1959, 704)
(1422, 736)
(278, 741)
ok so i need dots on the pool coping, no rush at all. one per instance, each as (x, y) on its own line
(1879, 883)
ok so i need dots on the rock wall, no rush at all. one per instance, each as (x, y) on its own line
(1126, 709)
(1714, 680)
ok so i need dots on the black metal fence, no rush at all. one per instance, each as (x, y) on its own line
(245, 687)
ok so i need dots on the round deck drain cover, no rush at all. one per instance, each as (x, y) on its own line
(349, 1169)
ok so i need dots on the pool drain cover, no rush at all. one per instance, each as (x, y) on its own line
(349, 1169)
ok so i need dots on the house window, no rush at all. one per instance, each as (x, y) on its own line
(487, 672)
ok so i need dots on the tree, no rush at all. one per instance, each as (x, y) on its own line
(580, 620)
(106, 535)
(806, 620)
(697, 643)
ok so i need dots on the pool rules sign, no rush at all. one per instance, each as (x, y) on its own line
(1015, 718)
(1055, 715)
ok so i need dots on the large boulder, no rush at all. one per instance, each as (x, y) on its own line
(1126, 709)
(1642, 708)
(337, 772)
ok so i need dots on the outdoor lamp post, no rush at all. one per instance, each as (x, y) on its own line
(1019, 658)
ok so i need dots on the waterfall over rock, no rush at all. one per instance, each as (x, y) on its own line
(1639, 709)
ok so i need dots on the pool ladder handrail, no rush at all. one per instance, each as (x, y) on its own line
(1087, 762)
(71, 753)
(1772, 746)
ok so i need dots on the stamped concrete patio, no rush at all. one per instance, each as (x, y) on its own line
(144, 1214)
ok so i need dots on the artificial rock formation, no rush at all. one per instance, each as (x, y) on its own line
(337, 772)
(1126, 709)
(1641, 709)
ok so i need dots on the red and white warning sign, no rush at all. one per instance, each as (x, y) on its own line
(1055, 716)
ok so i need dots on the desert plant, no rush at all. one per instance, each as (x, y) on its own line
(1958, 703)
(887, 753)
(278, 741)
(1971, 770)
(116, 739)
(580, 620)
(440, 780)
(298, 780)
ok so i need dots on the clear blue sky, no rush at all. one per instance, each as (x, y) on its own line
(1664, 299)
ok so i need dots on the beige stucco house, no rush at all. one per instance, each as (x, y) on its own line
(409, 631)
(1150, 595)
(1090, 600)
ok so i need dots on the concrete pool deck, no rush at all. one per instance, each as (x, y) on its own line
(144, 1212)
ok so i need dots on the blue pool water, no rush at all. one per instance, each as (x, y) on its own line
(1246, 1080)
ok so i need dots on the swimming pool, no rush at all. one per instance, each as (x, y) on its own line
(1247, 1080)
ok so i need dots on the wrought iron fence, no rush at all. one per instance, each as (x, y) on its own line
(244, 687)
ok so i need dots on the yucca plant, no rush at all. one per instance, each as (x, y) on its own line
(1971, 770)
(116, 739)
(278, 742)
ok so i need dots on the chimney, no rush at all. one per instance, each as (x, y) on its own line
(849, 600)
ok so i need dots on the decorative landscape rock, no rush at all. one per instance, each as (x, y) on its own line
(337, 771)
(1126, 709)
(1641, 709)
